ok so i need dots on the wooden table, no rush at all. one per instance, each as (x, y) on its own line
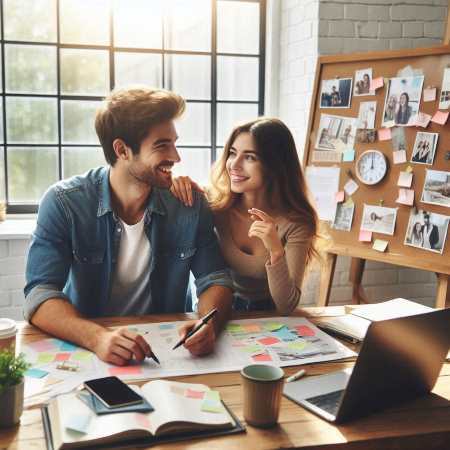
(423, 424)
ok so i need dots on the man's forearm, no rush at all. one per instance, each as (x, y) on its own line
(218, 297)
(61, 319)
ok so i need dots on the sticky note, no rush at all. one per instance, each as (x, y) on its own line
(339, 197)
(365, 236)
(376, 83)
(268, 341)
(166, 326)
(192, 393)
(234, 328)
(212, 406)
(429, 94)
(125, 370)
(44, 358)
(440, 117)
(405, 179)
(348, 156)
(82, 356)
(299, 345)
(67, 347)
(62, 357)
(212, 395)
(251, 328)
(262, 358)
(422, 120)
(351, 187)
(399, 157)
(285, 335)
(273, 326)
(379, 245)
(406, 197)
(253, 349)
(384, 134)
(36, 373)
(304, 330)
(42, 346)
(78, 422)
(349, 202)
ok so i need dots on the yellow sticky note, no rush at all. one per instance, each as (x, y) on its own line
(409, 169)
(380, 245)
(349, 202)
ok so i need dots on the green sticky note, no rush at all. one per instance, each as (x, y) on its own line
(348, 156)
(212, 396)
(273, 326)
(82, 356)
(380, 245)
(45, 358)
(234, 328)
(252, 348)
(300, 345)
(211, 406)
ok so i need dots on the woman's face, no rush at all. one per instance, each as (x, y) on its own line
(366, 78)
(243, 165)
(392, 101)
(418, 227)
(403, 100)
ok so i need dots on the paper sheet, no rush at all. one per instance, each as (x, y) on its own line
(399, 157)
(405, 179)
(406, 197)
(429, 94)
(324, 183)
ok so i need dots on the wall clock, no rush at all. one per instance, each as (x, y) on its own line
(371, 167)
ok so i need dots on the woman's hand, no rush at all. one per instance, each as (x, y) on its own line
(182, 189)
(266, 229)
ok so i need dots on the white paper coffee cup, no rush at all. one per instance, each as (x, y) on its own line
(8, 331)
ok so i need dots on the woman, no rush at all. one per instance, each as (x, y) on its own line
(264, 219)
(417, 235)
(391, 109)
(422, 153)
(404, 110)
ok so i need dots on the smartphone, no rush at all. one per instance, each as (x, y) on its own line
(112, 392)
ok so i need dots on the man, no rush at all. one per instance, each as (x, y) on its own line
(430, 233)
(115, 242)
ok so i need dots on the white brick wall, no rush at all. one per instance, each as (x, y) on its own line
(345, 26)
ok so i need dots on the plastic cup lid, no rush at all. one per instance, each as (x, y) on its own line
(8, 328)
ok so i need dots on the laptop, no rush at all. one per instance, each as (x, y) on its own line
(400, 359)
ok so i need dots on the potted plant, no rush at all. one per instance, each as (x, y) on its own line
(12, 369)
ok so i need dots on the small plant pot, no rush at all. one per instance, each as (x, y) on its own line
(11, 401)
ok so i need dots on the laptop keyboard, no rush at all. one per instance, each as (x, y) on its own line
(328, 402)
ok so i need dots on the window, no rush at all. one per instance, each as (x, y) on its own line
(59, 58)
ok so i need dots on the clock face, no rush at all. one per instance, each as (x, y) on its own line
(371, 167)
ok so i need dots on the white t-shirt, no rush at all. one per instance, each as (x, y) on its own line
(130, 292)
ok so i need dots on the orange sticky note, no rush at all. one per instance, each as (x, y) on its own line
(406, 197)
(376, 83)
(399, 157)
(429, 94)
(380, 245)
(384, 134)
(340, 196)
(125, 370)
(365, 236)
(440, 117)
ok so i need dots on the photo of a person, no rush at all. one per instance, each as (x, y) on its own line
(363, 78)
(343, 217)
(335, 133)
(366, 115)
(402, 101)
(436, 188)
(379, 219)
(366, 136)
(398, 139)
(336, 93)
(444, 99)
(427, 230)
(424, 148)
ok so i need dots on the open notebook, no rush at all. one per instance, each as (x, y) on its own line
(182, 410)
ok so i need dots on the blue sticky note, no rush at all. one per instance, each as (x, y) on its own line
(36, 373)
(166, 326)
(285, 334)
(68, 347)
(348, 156)
(78, 422)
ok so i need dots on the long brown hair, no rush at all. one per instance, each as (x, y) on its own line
(286, 187)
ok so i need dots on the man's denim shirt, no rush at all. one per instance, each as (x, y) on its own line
(74, 249)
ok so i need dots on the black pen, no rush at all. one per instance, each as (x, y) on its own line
(204, 321)
(339, 335)
(152, 355)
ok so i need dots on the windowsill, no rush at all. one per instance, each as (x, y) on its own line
(17, 227)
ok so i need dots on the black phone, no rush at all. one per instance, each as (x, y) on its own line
(112, 392)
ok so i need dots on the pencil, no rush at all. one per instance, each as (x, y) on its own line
(296, 376)
(152, 355)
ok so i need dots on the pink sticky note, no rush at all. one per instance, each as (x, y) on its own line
(42, 346)
(399, 157)
(340, 196)
(125, 370)
(384, 134)
(429, 94)
(376, 83)
(422, 120)
(62, 357)
(406, 197)
(268, 341)
(440, 117)
(262, 358)
(304, 330)
(192, 393)
(365, 236)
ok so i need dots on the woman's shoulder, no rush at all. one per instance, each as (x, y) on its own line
(292, 229)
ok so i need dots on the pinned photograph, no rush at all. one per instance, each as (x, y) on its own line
(402, 101)
(379, 219)
(398, 139)
(427, 230)
(366, 136)
(424, 148)
(436, 188)
(336, 93)
(366, 116)
(444, 99)
(344, 216)
(363, 78)
(336, 133)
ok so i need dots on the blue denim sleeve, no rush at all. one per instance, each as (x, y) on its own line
(208, 266)
(49, 256)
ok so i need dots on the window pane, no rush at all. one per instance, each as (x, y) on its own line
(237, 78)
(77, 160)
(84, 72)
(31, 120)
(1, 71)
(2, 175)
(30, 69)
(78, 118)
(229, 115)
(237, 27)
(194, 126)
(187, 25)
(194, 163)
(138, 23)
(84, 22)
(1, 122)
(30, 20)
(189, 76)
(30, 172)
(138, 68)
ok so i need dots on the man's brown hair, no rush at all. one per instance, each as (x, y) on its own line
(129, 114)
